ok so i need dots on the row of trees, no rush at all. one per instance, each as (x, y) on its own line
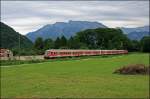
(101, 38)
(41, 45)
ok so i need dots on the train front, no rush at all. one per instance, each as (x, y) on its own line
(46, 54)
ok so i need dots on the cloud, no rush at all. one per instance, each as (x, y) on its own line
(27, 16)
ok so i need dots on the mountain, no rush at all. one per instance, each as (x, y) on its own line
(136, 33)
(9, 38)
(70, 28)
(67, 29)
(137, 29)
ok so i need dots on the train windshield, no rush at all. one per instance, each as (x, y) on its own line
(46, 52)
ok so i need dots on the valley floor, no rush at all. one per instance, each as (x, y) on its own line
(84, 78)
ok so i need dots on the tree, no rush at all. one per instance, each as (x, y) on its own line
(57, 43)
(72, 43)
(48, 44)
(39, 45)
(63, 42)
(83, 46)
(145, 44)
(104, 38)
(135, 45)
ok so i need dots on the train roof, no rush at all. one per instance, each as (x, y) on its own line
(79, 50)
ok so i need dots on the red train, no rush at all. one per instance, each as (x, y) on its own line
(53, 53)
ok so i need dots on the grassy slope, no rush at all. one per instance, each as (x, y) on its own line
(75, 78)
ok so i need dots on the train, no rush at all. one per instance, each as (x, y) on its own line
(55, 53)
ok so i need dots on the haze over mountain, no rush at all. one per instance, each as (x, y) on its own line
(10, 38)
(67, 29)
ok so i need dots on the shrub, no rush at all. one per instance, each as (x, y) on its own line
(134, 69)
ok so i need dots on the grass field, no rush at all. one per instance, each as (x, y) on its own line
(83, 78)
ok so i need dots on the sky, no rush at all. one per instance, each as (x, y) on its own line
(28, 16)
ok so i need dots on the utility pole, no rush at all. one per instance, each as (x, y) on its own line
(19, 48)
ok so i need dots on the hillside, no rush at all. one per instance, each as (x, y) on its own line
(63, 28)
(10, 38)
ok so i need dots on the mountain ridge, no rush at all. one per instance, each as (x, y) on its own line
(136, 33)
(67, 29)
(136, 29)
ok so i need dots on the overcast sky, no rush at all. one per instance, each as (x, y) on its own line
(27, 16)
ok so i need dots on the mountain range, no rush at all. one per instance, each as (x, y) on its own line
(70, 28)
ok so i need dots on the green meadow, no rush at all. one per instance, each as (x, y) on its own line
(91, 77)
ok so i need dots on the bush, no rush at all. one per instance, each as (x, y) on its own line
(134, 69)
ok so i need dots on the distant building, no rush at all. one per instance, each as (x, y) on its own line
(5, 54)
